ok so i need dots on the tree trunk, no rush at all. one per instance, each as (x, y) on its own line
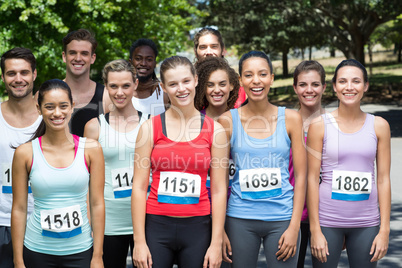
(370, 51)
(400, 52)
(285, 63)
(358, 51)
(332, 52)
(302, 53)
(310, 52)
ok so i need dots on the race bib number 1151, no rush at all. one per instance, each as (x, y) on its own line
(179, 188)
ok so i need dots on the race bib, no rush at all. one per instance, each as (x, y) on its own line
(61, 222)
(351, 185)
(122, 179)
(260, 183)
(7, 181)
(232, 171)
(179, 188)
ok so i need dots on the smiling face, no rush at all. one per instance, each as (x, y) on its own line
(56, 109)
(179, 83)
(209, 46)
(256, 78)
(121, 87)
(18, 78)
(144, 60)
(78, 58)
(309, 89)
(218, 89)
(349, 85)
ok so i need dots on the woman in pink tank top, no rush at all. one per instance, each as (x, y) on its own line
(352, 204)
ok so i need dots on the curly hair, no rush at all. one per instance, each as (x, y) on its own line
(204, 70)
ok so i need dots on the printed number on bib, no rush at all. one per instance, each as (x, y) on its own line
(179, 188)
(260, 183)
(351, 185)
(7, 181)
(61, 222)
(232, 171)
(122, 179)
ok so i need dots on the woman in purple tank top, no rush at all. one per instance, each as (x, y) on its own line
(352, 204)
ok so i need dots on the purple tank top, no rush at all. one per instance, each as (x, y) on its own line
(348, 191)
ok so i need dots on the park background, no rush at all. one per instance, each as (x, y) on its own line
(287, 30)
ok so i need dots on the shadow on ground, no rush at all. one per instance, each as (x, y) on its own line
(394, 118)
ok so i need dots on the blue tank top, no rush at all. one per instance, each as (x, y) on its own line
(261, 188)
(118, 151)
(59, 223)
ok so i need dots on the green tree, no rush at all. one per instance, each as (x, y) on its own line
(351, 22)
(40, 25)
(272, 26)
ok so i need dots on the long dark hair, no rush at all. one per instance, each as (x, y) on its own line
(45, 87)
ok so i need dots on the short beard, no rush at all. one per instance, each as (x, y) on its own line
(11, 93)
(143, 79)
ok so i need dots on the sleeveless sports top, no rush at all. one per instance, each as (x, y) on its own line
(261, 188)
(11, 136)
(118, 151)
(153, 105)
(348, 193)
(82, 115)
(59, 224)
(179, 172)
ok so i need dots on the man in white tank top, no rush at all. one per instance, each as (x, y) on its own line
(19, 118)
(148, 97)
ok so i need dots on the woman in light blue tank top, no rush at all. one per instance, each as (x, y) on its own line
(349, 206)
(263, 206)
(62, 169)
(117, 132)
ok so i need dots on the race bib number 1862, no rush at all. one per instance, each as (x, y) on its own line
(351, 185)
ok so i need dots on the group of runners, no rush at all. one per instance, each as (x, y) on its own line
(197, 169)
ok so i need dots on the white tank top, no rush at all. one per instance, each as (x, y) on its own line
(11, 136)
(152, 105)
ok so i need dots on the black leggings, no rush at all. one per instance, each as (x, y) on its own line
(185, 240)
(115, 248)
(34, 259)
(305, 237)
